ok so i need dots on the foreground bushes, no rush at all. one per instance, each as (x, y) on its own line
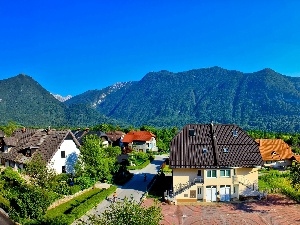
(276, 182)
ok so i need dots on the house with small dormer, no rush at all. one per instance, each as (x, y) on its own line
(80, 134)
(276, 153)
(213, 162)
(140, 141)
(60, 149)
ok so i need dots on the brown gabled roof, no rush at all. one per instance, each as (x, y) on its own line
(137, 136)
(80, 134)
(44, 142)
(274, 149)
(10, 141)
(115, 135)
(213, 146)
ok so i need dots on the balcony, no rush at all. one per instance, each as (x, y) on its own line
(198, 180)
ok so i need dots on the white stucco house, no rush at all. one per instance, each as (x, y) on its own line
(140, 141)
(60, 149)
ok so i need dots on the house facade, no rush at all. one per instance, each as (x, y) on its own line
(276, 153)
(214, 162)
(140, 141)
(59, 149)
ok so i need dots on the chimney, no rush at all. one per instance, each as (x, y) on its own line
(87, 129)
(23, 129)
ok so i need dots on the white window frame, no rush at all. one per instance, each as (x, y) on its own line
(209, 173)
(227, 173)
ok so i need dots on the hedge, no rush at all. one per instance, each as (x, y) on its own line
(68, 212)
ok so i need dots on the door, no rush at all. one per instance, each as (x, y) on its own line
(211, 193)
(225, 193)
(199, 193)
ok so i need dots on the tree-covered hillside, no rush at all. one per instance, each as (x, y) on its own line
(263, 100)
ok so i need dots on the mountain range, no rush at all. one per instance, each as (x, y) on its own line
(263, 100)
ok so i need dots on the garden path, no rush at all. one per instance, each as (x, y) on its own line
(136, 187)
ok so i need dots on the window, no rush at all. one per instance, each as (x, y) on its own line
(211, 173)
(204, 150)
(63, 154)
(225, 150)
(199, 173)
(63, 169)
(234, 133)
(192, 132)
(186, 195)
(224, 173)
(233, 189)
(199, 190)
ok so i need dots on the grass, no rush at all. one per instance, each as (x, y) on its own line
(139, 167)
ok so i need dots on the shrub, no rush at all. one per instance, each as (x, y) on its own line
(74, 189)
(84, 182)
(4, 203)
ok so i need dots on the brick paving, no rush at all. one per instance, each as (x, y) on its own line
(276, 210)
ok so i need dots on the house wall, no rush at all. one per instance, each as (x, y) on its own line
(181, 176)
(71, 156)
(278, 164)
(144, 146)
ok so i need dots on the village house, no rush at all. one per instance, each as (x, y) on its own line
(60, 149)
(213, 162)
(140, 141)
(276, 153)
(81, 133)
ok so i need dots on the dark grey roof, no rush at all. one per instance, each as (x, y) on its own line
(213, 146)
(115, 135)
(41, 141)
(80, 134)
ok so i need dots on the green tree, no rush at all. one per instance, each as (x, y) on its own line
(95, 161)
(9, 128)
(295, 176)
(39, 172)
(128, 212)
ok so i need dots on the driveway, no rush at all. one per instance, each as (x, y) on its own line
(135, 187)
(276, 210)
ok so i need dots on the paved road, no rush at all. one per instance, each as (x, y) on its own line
(135, 187)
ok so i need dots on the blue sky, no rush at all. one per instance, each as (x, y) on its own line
(70, 47)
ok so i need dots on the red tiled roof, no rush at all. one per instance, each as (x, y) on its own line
(138, 136)
(274, 149)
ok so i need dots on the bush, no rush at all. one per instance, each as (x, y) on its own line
(84, 182)
(4, 203)
(74, 189)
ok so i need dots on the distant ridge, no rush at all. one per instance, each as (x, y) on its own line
(263, 100)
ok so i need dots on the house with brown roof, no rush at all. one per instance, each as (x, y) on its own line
(141, 141)
(276, 153)
(80, 134)
(213, 162)
(60, 149)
